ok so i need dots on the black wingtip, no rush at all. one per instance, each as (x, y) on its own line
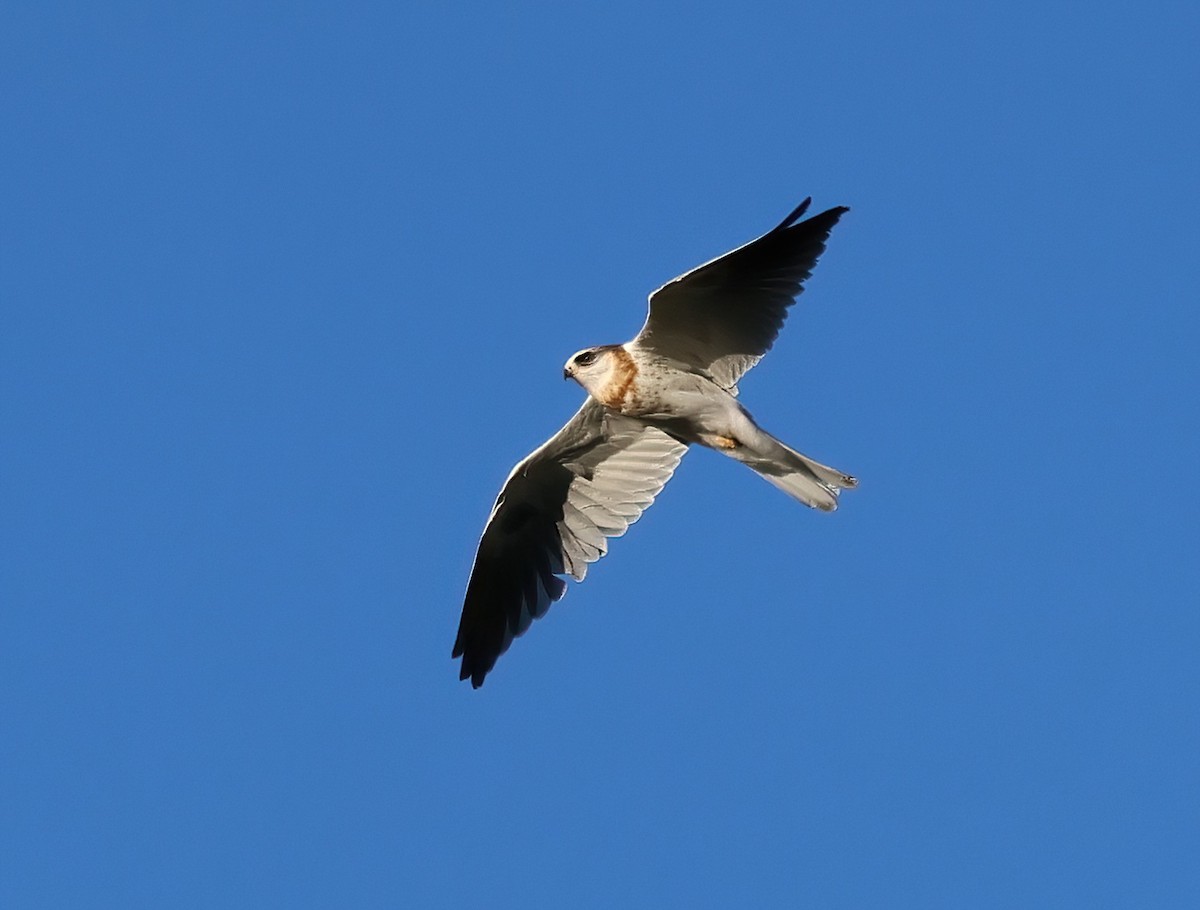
(831, 216)
(473, 673)
(795, 215)
(474, 670)
(828, 218)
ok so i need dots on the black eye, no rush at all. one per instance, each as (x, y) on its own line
(585, 358)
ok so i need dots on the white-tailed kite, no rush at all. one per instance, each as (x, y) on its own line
(648, 399)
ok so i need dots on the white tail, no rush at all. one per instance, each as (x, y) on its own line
(811, 482)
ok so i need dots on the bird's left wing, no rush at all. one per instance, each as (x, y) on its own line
(589, 482)
(721, 317)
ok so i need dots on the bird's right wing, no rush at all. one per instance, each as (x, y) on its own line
(589, 482)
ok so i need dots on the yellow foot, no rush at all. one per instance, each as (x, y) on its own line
(725, 442)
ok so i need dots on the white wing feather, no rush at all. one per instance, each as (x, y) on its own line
(559, 506)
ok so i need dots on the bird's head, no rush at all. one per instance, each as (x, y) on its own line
(591, 367)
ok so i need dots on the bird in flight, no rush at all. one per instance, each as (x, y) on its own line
(672, 386)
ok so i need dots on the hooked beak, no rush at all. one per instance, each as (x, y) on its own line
(566, 372)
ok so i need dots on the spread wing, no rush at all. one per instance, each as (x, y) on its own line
(589, 482)
(721, 317)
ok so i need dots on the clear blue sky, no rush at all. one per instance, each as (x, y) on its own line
(286, 292)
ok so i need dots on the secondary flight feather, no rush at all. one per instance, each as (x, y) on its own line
(672, 386)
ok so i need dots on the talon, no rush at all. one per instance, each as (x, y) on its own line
(725, 442)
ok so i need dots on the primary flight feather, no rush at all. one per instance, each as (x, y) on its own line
(648, 399)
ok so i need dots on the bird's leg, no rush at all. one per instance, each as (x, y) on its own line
(724, 443)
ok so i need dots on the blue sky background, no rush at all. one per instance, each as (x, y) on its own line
(286, 292)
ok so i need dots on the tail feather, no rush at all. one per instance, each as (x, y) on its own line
(803, 485)
(811, 482)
